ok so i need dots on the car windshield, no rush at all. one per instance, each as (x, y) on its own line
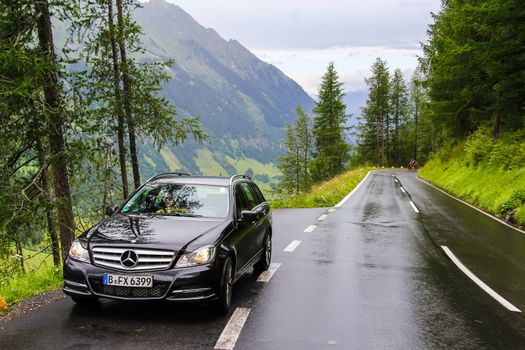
(180, 200)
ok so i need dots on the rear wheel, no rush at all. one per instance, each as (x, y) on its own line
(225, 295)
(264, 263)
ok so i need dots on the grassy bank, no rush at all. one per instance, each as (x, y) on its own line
(326, 194)
(489, 175)
(40, 276)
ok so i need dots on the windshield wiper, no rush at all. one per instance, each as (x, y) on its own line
(182, 214)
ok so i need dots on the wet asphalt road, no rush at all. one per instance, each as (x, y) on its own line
(372, 275)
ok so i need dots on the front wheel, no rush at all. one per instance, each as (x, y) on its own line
(226, 290)
(264, 263)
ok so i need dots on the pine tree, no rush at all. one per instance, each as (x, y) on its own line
(399, 105)
(372, 133)
(295, 164)
(290, 163)
(328, 127)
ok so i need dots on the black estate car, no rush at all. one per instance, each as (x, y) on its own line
(177, 238)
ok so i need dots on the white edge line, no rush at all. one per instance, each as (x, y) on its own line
(233, 329)
(472, 206)
(414, 207)
(291, 247)
(479, 282)
(352, 192)
(267, 275)
(310, 228)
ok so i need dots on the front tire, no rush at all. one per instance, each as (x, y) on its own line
(264, 263)
(226, 288)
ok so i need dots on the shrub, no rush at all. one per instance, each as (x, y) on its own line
(478, 147)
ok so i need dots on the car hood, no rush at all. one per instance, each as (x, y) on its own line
(156, 230)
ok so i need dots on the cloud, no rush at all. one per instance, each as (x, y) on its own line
(307, 66)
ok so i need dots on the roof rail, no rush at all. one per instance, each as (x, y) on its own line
(162, 175)
(240, 177)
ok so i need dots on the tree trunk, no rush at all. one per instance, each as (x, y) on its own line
(54, 113)
(127, 95)
(415, 128)
(51, 227)
(20, 253)
(496, 128)
(118, 103)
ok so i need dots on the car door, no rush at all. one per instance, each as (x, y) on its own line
(257, 229)
(241, 239)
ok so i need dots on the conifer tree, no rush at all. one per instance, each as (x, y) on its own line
(328, 127)
(295, 164)
(399, 107)
(372, 135)
(289, 163)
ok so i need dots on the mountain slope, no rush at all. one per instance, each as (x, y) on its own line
(243, 102)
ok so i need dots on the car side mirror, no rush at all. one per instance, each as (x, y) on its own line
(249, 216)
(110, 210)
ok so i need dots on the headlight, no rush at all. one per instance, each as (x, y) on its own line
(199, 256)
(78, 252)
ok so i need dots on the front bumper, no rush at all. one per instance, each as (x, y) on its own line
(199, 283)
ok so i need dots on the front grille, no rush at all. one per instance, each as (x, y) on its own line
(148, 259)
(157, 291)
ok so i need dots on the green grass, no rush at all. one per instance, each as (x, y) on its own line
(40, 276)
(170, 159)
(208, 165)
(325, 194)
(25, 285)
(473, 175)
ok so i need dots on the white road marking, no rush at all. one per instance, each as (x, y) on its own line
(233, 329)
(396, 180)
(473, 207)
(291, 247)
(351, 193)
(266, 275)
(322, 217)
(479, 282)
(310, 228)
(402, 189)
(414, 207)
(331, 210)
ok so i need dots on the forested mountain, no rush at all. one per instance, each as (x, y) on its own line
(244, 103)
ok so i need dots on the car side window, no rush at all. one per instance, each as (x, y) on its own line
(258, 193)
(240, 201)
(250, 196)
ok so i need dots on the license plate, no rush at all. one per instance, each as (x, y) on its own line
(127, 280)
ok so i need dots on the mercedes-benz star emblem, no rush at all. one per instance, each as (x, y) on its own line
(129, 258)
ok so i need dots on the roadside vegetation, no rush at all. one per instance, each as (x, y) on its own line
(490, 175)
(323, 194)
(39, 275)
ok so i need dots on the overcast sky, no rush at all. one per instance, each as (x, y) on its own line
(301, 37)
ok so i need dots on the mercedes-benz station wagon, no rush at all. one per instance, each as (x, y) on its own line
(177, 238)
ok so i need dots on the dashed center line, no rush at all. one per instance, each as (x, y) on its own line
(233, 329)
(291, 247)
(322, 217)
(479, 282)
(331, 210)
(267, 275)
(310, 228)
(403, 190)
(414, 207)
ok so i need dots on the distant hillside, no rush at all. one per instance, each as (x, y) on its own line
(243, 102)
